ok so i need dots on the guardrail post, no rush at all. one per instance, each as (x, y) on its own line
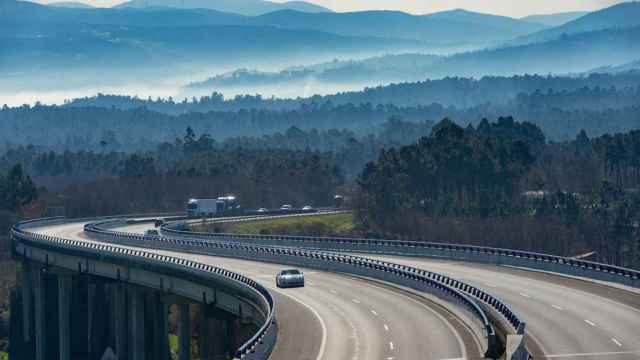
(184, 333)
(64, 320)
(136, 317)
(39, 312)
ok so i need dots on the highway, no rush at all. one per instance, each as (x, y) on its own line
(338, 316)
(569, 318)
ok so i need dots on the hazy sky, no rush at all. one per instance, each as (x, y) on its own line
(516, 8)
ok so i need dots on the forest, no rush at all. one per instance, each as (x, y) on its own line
(561, 107)
(501, 184)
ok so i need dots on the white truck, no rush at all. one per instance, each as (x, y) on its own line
(197, 208)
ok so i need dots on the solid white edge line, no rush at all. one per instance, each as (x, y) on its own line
(323, 342)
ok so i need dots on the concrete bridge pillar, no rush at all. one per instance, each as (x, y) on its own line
(184, 333)
(161, 327)
(27, 296)
(203, 338)
(64, 307)
(137, 326)
(39, 304)
(119, 320)
(214, 333)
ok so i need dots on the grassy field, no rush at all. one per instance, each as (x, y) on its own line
(321, 225)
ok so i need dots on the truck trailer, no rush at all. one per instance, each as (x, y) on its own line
(197, 208)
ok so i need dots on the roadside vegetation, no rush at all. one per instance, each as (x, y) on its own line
(321, 225)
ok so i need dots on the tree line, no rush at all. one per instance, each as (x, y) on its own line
(560, 114)
(502, 184)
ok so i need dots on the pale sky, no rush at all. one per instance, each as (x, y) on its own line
(514, 8)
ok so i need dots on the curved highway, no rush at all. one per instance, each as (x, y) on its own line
(567, 318)
(340, 317)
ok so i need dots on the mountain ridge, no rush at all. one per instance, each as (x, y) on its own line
(242, 7)
(623, 15)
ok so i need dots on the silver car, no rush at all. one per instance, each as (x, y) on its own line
(290, 278)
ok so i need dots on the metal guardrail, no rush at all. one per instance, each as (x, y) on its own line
(421, 280)
(259, 347)
(524, 259)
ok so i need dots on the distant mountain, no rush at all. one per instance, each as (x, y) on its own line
(494, 21)
(243, 7)
(455, 27)
(50, 39)
(555, 19)
(633, 66)
(567, 54)
(361, 73)
(618, 16)
(71, 4)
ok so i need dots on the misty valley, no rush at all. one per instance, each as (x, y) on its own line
(253, 179)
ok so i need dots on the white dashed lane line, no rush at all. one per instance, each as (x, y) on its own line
(525, 295)
(391, 347)
(356, 301)
(615, 341)
(590, 322)
(375, 313)
(557, 307)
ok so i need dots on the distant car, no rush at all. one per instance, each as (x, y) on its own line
(290, 278)
(159, 222)
(262, 210)
(286, 207)
(151, 232)
(307, 208)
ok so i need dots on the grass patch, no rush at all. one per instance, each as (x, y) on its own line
(320, 225)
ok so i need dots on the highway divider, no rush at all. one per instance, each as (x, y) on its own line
(447, 289)
(478, 254)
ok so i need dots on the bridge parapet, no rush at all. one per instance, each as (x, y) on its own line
(203, 283)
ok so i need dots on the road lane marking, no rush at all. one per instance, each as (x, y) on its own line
(333, 291)
(374, 312)
(391, 345)
(590, 322)
(524, 295)
(592, 354)
(615, 341)
(386, 327)
(557, 307)
(491, 285)
(356, 301)
(323, 342)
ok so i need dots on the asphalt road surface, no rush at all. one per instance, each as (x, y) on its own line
(340, 317)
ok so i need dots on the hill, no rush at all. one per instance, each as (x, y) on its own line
(577, 53)
(633, 66)
(243, 7)
(458, 27)
(555, 19)
(71, 4)
(623, 15)
(455, 28)
(567, 54)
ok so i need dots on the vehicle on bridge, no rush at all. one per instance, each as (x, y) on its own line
(212, 207)
(286, 207)
(151, 232)
(290, 278)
